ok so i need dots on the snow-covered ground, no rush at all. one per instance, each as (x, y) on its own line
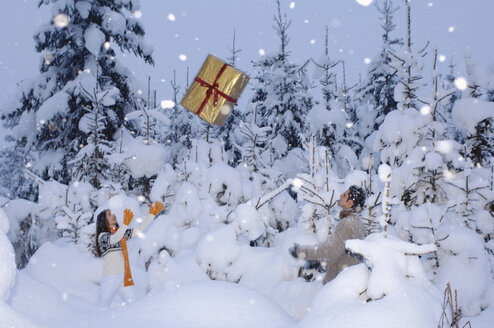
(59, 288)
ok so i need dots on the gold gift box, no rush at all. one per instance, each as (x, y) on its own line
(215, 91)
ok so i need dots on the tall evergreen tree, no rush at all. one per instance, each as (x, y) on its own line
(377, 93)
(408, 65)
(81, 37)
(280, 92)
(229, 134)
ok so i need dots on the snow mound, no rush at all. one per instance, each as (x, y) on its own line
(144, 159)
(49, 265)
(206, 303)
(463, 248)
(7, 259)
(359, 297)
(12, 318)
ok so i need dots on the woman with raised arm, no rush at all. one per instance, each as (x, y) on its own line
(111, 243)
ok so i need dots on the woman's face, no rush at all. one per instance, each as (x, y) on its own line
(111, 219)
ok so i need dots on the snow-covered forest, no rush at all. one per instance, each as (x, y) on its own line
(82, 136)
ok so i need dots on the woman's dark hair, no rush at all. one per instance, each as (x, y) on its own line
(101, 226)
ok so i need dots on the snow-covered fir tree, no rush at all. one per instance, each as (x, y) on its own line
(80, 40)
(228, 133)
(377, 93)
(408, 65)
(281, 92)
(183, 127)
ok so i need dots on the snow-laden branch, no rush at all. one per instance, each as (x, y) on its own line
(266, 198)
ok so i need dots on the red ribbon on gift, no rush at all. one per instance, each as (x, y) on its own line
(213, 90)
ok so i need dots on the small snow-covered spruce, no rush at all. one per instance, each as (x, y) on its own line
(254, 142)
(90, 163)
(327, 119)
(148, 117)
(377, 91)
(348, 105)
(229, 134)
(281, 93)
(408, 66)
(475, 89)
(326, 80)
(183, 127)
(316, 188)
(435, 157)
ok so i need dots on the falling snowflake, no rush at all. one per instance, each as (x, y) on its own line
(442, 58)
(312, 41)
(61, 20)
(141, 198)
(292, 5)
(444, 146)
(261, 52)
(367, 60)
(137, 14)
(107, 45)
(364, 3)
(171, 17)
(425, 110)
(182, 57)
(297, 183)
(226, 109)
(461, 83)
(451, 29)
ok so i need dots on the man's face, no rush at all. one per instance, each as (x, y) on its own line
(345, 201)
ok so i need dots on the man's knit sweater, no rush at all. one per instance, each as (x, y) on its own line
(333, 251)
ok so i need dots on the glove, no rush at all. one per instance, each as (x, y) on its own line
(128, 215)
(294, 250)
(158, 207)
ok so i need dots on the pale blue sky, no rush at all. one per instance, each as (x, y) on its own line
(201, 27)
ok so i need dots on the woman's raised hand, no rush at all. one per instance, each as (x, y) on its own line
(128, 215)
(158, 207)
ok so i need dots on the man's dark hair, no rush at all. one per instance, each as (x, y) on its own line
(358, 196)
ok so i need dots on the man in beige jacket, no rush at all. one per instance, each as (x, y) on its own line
(332, 253)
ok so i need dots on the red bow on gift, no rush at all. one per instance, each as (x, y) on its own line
(213, 90)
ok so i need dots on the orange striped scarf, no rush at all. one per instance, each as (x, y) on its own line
(128, 281)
